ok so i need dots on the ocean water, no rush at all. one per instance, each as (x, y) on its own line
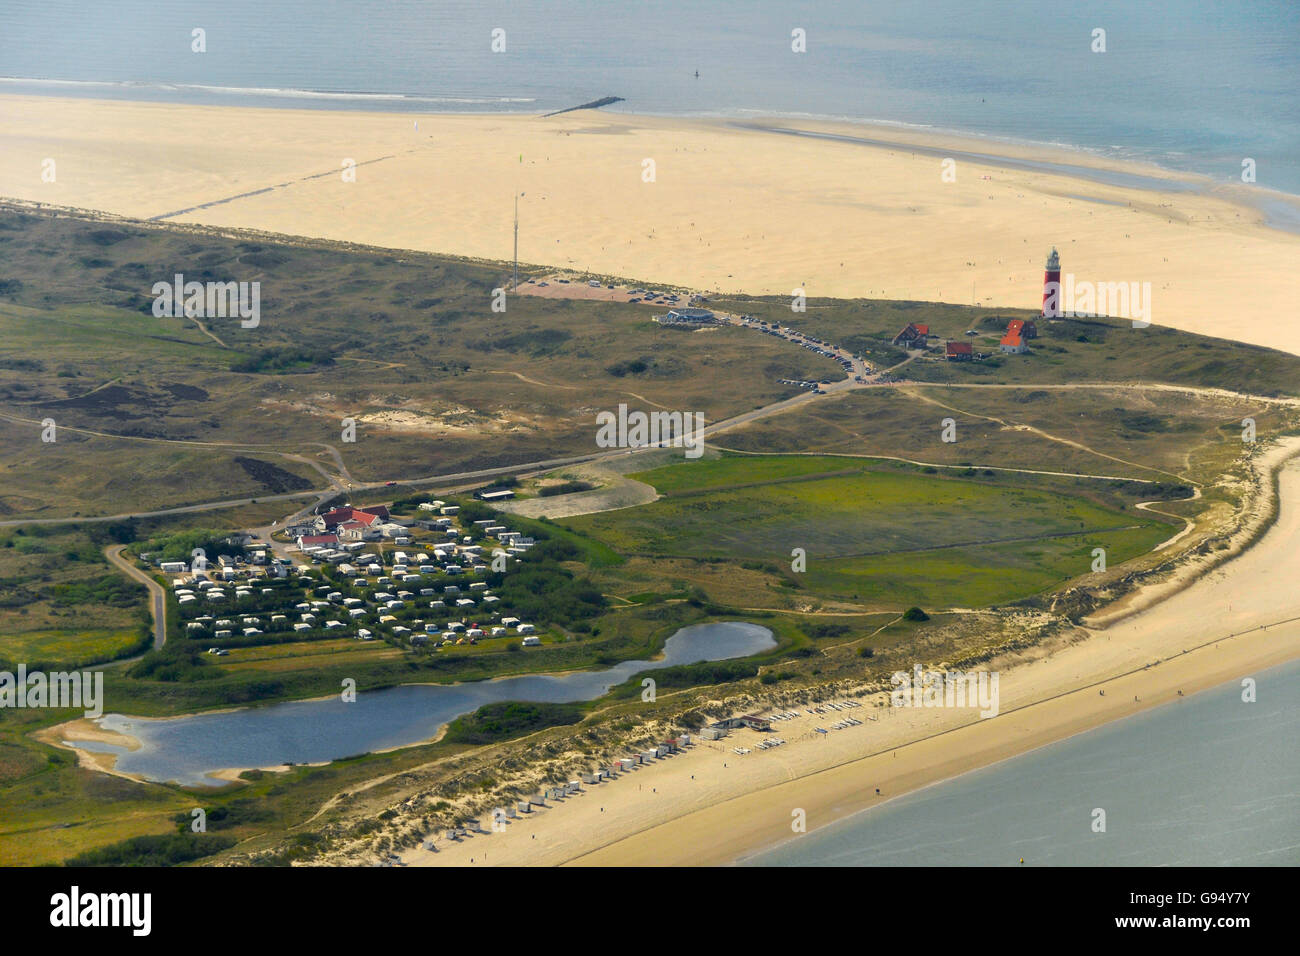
(1194, 85)
(1204, 781)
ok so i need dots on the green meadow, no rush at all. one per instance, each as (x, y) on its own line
(875, 532)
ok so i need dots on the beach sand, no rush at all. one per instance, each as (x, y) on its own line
(741, 210)
(712, 806)
(67, 734)
(730, 208)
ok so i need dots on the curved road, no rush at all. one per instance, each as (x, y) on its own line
(157, 596)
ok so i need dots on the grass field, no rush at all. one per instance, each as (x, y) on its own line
(280, 658)
(874, 534)
(68, 646)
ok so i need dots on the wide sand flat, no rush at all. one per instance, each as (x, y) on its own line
(729, 208)
(711, 806)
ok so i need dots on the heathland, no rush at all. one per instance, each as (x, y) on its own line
(732, 207)
(1105, 437)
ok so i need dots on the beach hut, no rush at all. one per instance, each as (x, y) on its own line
(648, 755)
(684, 740)
(590, 778)
(525, 806)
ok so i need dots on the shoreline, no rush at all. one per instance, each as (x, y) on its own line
(841, 210)
(749, 857)
(629, 850)
(293, 98)
(1049, 693)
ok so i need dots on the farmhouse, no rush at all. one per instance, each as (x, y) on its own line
(913, 336)
(365, 516)
(1026, 328)
(356, 531)
(308, 542)
(1013, 344)
(959, 351)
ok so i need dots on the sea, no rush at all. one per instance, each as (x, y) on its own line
(1201, 86)
(1206, 780)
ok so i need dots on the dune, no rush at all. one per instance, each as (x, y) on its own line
(706, 204)
(711, 806)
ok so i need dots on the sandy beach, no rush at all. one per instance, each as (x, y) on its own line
(853, 211)
(710, 805)
(731, 207)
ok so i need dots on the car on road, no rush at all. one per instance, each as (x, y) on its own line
(389, 484)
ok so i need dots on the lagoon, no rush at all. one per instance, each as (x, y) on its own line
(188, 749)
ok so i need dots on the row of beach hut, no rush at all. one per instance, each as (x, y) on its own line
(622, 765)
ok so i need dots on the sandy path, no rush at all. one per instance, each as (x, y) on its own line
(157, 596)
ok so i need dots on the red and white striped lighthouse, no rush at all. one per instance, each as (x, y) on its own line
(1052, 287)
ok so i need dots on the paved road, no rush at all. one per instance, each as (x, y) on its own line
(343, 481)
(157, 596)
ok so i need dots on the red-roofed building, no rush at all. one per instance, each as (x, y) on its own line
(356, 531)
(959, 351)
(367, 516)
(1012, 343)
(913, 336)
(1026, 328)
(317, 541)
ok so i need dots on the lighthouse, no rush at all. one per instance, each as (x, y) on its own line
(1052, 286)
